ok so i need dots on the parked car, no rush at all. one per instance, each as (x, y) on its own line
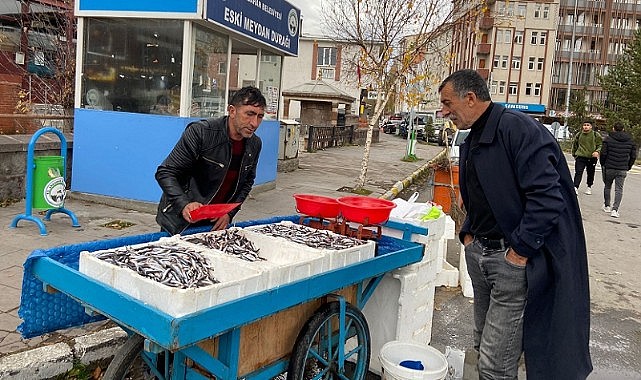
(419, 128)
(457, 140)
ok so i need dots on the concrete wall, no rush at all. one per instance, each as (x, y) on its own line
(13, 161)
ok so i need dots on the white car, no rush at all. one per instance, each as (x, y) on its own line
(457, 140)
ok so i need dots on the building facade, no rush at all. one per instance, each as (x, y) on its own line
(532, 52)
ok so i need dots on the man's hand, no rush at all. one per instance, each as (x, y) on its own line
(467, 239)
(595, 154)
(515, 258)
(221, 223)
(189, 208)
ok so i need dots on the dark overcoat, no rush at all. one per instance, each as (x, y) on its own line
(528, 185)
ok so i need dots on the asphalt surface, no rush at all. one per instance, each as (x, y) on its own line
(613, 246)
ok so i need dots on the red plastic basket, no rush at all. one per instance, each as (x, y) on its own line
(365, 210)
(317, 206)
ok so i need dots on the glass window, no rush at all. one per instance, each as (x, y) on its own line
(132, 65)
(522, 10)
(270, 69)
(514, 88)
(518, 37)
(327, 56)
(494, 86)
(528, 89)
(542, 38)
(244, 63)
(516, 63)
(497, 61)
(530, 63)
(534, 39)
(504, 60)
(537, 89)
(209, 79)
(502, 87)
(539, 64)
(508, 36)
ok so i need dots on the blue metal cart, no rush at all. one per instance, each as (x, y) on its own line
(333, 343)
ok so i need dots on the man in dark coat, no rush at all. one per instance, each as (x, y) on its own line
(617, 157)
(524, 240)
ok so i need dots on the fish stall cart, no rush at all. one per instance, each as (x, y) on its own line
(256, 318)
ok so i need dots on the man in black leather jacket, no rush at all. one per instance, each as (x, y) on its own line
(213, 162)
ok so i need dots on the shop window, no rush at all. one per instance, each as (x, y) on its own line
(132, 65)
(209, 78)
(244, 62)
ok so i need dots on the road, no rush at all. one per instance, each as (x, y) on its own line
(615, 285)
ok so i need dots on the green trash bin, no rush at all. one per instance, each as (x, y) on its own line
(49, 187)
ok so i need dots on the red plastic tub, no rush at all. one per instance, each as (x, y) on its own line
(365, 210)
(317, 206)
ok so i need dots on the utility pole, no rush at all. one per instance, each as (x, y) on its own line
(567, 95)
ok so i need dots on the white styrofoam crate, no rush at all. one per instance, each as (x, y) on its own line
(236, 281)
(338, 258)
(284, 261)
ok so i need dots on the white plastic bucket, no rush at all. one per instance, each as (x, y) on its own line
(394, 352)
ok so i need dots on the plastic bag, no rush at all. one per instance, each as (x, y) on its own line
(404, 208)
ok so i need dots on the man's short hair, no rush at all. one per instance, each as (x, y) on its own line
(248, 96)
(587, 122)
(464, 81)
(618, 126)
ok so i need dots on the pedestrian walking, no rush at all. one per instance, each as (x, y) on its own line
(524, 239)
(585, 150)
(617, 157)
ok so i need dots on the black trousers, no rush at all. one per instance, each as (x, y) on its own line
(584, 163)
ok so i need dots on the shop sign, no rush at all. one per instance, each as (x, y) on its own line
(525, 107)
(177, 8)
(273, 22)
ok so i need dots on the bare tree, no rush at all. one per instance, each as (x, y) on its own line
(388, 57)
(38, 50)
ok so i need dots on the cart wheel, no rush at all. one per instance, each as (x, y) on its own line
(128, 362)
(315, 354)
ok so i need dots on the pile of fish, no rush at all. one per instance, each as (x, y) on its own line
(311, 237)
(170, 265)
(232, 242)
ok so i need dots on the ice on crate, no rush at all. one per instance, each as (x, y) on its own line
(340, 250)
(233, 279)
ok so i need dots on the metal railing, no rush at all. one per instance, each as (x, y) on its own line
(330, 137)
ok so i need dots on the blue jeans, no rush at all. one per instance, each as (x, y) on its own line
(618, 177)
(500, 294)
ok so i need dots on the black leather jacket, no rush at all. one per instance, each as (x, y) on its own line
(196, 168)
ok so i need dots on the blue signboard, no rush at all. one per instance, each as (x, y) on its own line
(186, 7)
(273, 22)
(525, 107)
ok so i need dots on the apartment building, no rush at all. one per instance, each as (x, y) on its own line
(531, 52)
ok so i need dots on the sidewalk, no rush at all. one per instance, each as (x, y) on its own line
(320, 173)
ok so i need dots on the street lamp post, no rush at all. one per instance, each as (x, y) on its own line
(567, 95)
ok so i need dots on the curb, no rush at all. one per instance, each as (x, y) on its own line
(403, 184)
(47, 362)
